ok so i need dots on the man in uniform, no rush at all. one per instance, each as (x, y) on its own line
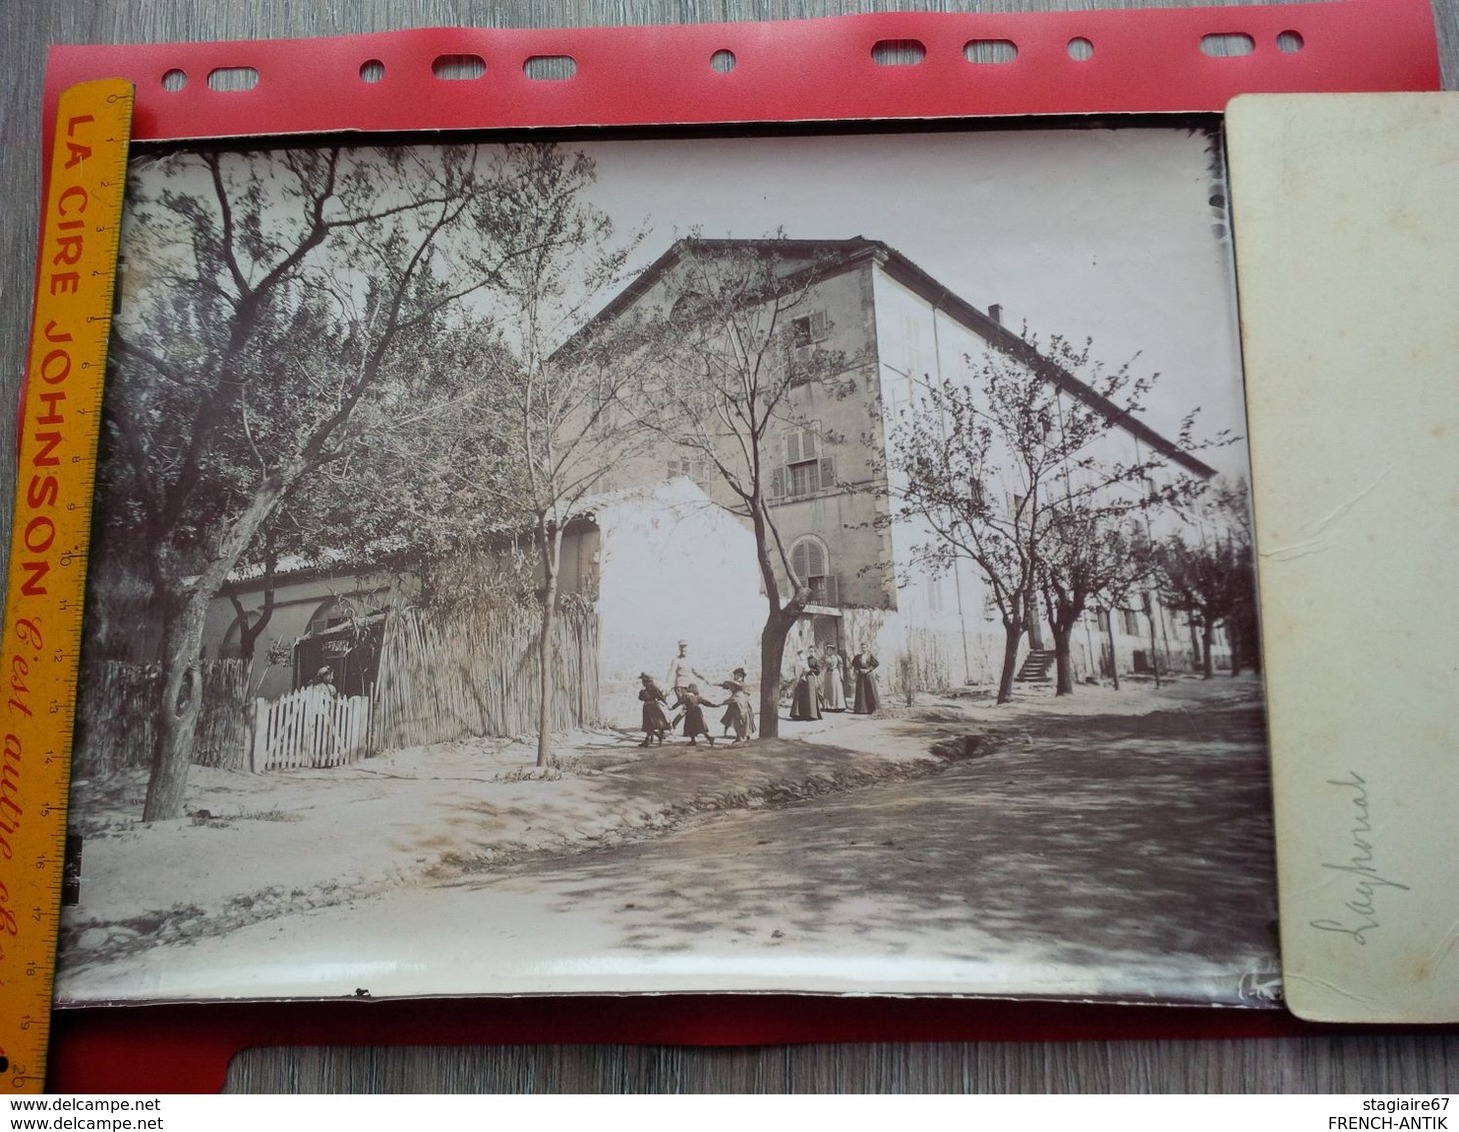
(682, 673)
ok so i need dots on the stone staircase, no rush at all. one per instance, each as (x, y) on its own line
(1037, 668)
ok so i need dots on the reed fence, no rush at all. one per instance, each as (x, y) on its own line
(118, 709)
(442, 679)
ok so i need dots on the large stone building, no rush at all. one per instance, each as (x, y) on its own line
(665, 558)
(883, 329)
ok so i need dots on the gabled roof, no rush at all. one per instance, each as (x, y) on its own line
(832, 257)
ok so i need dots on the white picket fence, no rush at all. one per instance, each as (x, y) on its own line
(309, 727)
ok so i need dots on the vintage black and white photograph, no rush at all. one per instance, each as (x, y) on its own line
(772, 563)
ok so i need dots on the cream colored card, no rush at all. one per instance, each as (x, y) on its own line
(1347, 233)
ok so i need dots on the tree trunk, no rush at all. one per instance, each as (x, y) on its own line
(1012, 635)
(182, 650)
(1206, 670)
(1154, 652)
(772, 655)
(778, 619)
(1063, 664)
(1114, 657)
(1034, 626)
(182, 693)
(547, 644)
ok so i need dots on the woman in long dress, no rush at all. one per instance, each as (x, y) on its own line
(806, 703)
(864, 665)
(833, 692)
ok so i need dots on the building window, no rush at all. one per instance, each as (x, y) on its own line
(811, 563)
(1102, 617)
(1132, 622)
(688, 464)
(804, 333)
(934, 592)
(806, 470)
(807, 330)
(805, 477)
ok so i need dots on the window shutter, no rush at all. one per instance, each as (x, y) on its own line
(833, 590)
(777, 482)
(818, 325)
(815, 559)
(792, 446)
(798, 564)
(673, 468)
(828, 472)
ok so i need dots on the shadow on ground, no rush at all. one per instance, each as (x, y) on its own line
(1136, 836)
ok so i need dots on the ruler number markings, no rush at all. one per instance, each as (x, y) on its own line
(45, 589)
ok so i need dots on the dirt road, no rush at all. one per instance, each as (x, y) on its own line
(1123, 856)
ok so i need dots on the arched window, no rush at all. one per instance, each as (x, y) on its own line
(811, 562)
(333, 612)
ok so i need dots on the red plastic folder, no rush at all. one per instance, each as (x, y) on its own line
(860, 72)
(1103, 62)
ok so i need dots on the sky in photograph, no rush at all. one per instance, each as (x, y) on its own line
(1102, 234)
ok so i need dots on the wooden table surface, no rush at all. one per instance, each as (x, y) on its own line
(1351, 1062)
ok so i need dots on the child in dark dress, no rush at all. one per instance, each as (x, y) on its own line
(737, 713)
(655, 720)
(694, 725)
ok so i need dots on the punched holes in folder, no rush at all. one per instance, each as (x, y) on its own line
(550, 68)
(1227, 45)
(232, 78)
(990, 51)
(886, 53)
(898, 52)
(458, 67)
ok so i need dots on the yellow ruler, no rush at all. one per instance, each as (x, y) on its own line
(60, 423)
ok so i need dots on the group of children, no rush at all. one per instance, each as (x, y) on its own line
(738, 718)
(818, 684)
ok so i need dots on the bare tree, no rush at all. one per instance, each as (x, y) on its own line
(946, 472)
(721, 374)
(1131, 567)
(1023, 471)
(1212, 578)
(553, 399)
(1231, 508)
